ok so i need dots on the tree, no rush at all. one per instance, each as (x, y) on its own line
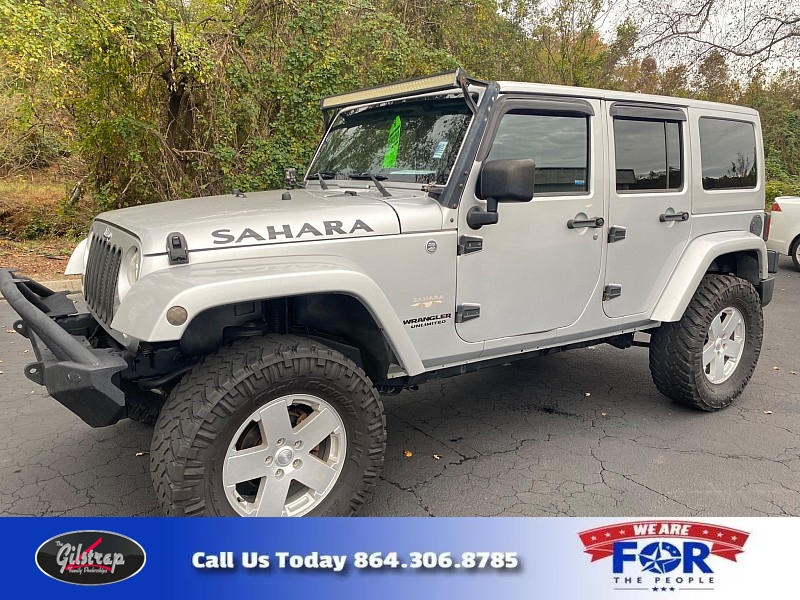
(756, 31)
(713, 80)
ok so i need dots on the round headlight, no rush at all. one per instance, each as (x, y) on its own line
(132, 265)
(129, 273)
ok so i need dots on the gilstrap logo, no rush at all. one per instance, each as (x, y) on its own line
(90, 557)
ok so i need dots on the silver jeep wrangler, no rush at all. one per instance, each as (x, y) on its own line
(445, 224)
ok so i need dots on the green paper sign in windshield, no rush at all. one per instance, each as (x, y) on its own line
(392, 145)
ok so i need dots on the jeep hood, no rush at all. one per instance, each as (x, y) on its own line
(265, 218)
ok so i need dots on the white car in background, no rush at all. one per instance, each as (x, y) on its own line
(784, 231)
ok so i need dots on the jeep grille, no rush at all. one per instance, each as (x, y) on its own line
(100, 280)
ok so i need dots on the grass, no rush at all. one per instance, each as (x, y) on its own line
(44, 259)
(38, 230)
(34, 206)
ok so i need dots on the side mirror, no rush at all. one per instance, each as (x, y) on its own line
(507, 180)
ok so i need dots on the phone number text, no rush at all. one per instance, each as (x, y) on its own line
(436, 560)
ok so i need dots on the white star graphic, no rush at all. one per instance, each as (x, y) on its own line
(622, 532)
(705, 531)
(594, 538)
(719, 535)
(608, 535)
(734, 538)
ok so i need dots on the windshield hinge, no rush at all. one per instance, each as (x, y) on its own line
(177, 249)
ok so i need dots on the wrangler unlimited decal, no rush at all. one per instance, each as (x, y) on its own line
(224, 236)
(425, 321)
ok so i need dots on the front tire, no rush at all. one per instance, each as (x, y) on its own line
(706, 359)
(272, 426)
(143, 407)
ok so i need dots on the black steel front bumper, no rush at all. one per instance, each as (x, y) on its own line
(80, 377)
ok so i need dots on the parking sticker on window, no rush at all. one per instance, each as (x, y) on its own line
(440, 148)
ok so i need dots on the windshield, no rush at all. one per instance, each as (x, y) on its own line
(407, 141)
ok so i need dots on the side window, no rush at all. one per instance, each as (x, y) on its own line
(558, 143)
(649, 154)
(728, 154)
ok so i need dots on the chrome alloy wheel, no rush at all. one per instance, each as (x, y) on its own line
(724, 345)
(285, 458)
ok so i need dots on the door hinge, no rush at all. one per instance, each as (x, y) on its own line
(612, 291)
(177, 249)
(616, 233)
(469, 244)
(467, 312)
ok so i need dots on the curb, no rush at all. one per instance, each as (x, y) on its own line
(60, 285)
(63, 285)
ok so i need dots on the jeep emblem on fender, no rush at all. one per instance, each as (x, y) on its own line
(431, 246)
(90, 557)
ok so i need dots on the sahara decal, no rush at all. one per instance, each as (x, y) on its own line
(285, 232)
(427, 301)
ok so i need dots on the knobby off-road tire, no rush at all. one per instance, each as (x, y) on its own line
(257, 407)
(677, 361)
(794, 252)
(143, 408)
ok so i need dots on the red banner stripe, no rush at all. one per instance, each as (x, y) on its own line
(726, 542)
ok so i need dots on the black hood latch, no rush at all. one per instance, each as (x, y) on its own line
(177, 249)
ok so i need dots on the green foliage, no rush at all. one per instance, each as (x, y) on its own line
(170, 99)
(68, 221)
(166, 98)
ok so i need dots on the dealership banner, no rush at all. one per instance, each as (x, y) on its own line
(403, 558)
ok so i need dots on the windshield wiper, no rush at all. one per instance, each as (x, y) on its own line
(321, 176)
(384, 192)
(367, 176)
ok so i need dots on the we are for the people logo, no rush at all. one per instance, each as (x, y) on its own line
(663, 556)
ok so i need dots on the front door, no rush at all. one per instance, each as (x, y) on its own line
(650, 204)
(534, 272)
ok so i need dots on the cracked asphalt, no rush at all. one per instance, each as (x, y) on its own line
(582, 433)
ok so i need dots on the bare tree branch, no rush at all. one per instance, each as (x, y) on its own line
(750, 31)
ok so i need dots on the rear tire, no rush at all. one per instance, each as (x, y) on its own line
(794, 251)
(270, 426)
(706, 359)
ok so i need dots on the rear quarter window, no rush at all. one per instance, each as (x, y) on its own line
(728, 154)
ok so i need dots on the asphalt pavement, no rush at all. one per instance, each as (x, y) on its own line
(582, 433)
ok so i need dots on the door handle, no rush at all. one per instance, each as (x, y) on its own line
(580, 223)
(681, 216)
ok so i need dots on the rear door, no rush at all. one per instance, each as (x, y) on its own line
(649, 203)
